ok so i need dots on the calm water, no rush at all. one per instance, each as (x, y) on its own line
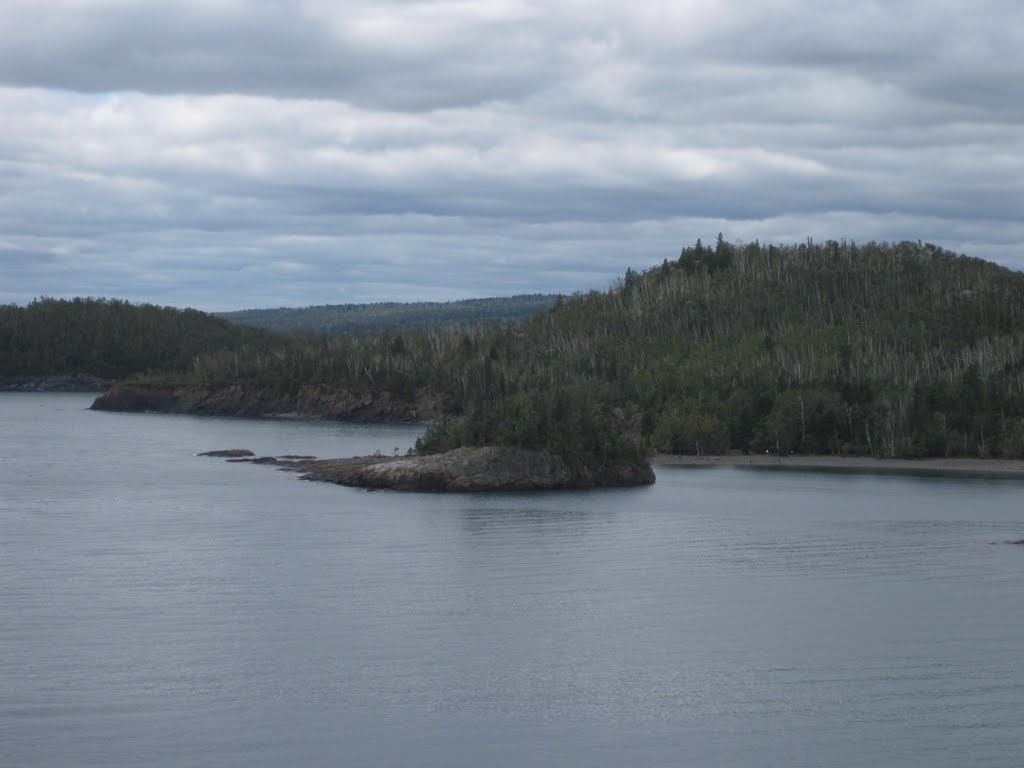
(158, 608)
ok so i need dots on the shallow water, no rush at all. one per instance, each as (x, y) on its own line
(160, 608)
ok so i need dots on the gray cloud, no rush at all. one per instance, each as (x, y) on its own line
(226, 154)
(402, 55)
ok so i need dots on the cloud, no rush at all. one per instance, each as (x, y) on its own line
(227, 154)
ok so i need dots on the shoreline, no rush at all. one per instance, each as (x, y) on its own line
(83, 383)
(462, 470)
(310, 402)
(991, 468)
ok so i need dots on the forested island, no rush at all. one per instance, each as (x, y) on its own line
(878, 349)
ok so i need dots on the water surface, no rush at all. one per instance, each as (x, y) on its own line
(160, 608)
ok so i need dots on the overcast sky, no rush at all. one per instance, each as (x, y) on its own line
(224, 154)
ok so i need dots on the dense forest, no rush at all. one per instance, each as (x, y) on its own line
(335, 319)
(108, 338)
(885, 349)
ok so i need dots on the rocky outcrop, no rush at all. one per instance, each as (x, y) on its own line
(464, 470)
(309, 402)
(473, 470)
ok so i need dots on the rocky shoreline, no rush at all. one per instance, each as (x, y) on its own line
(463, 470)
(1010, 468)
(76, 382)
(308, 402)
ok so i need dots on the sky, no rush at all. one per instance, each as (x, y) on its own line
(229, 154)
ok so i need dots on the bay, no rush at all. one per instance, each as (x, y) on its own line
(160, 608)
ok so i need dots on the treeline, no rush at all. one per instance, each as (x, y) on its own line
(108, 338)
(887, 349)
(384, 317)
(900, 349)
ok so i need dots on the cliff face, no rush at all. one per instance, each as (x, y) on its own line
(309, 402)
(473, 470)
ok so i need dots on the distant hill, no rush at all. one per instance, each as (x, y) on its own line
(334, 319)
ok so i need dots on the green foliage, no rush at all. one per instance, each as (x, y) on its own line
(570, 424)
(887, 349)
(691, 431)
(109, 338)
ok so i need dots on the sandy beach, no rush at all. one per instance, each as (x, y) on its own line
(1010, 468)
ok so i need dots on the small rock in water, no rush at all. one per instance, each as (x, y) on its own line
(231, 453)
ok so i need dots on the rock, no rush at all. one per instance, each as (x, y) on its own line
(473, 470)
(310, 402)
(74, 382)
(231, 453)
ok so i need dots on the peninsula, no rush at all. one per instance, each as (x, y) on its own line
(463, 470)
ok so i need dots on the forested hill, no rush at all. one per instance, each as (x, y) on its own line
(392, 316)
(886, 349)
(108, 338)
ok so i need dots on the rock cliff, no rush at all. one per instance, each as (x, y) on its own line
(309, 402)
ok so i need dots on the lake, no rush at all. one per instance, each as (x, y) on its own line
(160, 608)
